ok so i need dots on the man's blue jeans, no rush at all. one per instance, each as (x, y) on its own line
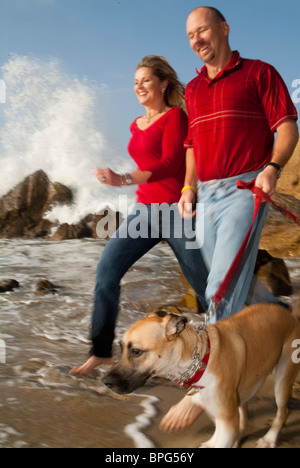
(228, 213)
(137, 235)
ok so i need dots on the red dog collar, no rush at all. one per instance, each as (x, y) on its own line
(201, 368)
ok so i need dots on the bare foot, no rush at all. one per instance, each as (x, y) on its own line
(90, 365)
(181, 415)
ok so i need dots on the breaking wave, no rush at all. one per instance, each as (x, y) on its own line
(52, 121)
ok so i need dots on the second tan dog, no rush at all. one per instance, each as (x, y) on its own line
(223, 365)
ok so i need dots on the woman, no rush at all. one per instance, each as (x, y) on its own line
(157, 148)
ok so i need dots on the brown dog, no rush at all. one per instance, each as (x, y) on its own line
(224, 365)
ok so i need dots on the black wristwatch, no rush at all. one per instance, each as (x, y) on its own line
(277, 167)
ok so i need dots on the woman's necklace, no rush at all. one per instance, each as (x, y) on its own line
(150, 117)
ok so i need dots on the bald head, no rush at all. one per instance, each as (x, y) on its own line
(213, 13)
(208, 33)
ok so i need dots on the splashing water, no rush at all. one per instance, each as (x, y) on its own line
(51, 122)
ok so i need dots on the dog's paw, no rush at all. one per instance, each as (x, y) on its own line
(265, 443)
(209, 444)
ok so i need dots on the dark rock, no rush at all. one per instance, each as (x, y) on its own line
(8, 285)
(22, 210)
(274, 274)
(71, 231)
(87, 227)
(112, 223)
(44, 287)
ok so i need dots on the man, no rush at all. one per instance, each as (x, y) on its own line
(235, 106)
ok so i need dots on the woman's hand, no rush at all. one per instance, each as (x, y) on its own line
(108, 177)
(187, 204)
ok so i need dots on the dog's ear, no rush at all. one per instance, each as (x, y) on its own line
(175, 326)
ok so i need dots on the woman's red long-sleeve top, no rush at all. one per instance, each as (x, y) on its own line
(160, 150)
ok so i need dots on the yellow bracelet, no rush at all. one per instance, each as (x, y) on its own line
(189, 187)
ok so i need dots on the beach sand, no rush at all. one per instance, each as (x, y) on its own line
(82, 418)
(261, 412)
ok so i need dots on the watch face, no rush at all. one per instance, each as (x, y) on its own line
(129, 180)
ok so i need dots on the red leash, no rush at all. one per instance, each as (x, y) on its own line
(260, 195)
(257, 191)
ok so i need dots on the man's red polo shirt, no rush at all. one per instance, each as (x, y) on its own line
(233, 118)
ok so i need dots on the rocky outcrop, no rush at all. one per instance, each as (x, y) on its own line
(23, 209)
(88, 227)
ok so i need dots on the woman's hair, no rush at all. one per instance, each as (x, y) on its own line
(174, 94)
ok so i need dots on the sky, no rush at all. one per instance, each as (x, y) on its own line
(102, 41)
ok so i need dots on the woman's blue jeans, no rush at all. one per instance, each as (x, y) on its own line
(137, 235)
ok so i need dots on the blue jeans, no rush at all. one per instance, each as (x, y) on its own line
(137, 235)
(228, 213)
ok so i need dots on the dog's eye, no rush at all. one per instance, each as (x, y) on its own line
(136, 352)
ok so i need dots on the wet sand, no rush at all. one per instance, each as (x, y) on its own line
(86, 419)
(261, 412)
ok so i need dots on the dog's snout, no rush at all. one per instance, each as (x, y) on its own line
(106, 382)
(115, 381)
(121, 381)
(109, 379)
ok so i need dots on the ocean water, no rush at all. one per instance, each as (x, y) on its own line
(45, 336)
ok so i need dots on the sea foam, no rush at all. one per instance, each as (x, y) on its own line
(52, 121)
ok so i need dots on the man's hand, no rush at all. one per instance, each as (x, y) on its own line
(286, 141)
(267, 180)
(186, 205)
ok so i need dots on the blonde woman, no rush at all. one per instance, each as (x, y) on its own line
(157, 147)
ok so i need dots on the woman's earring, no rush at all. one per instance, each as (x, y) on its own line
(163, 90)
